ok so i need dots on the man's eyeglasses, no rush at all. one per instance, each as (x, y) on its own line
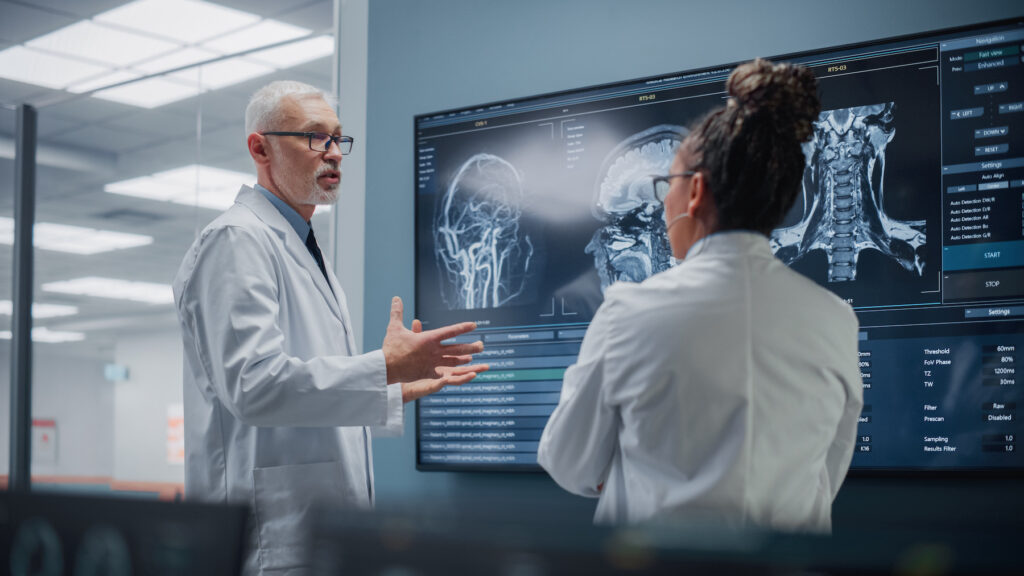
(320, 141)
(662, 184)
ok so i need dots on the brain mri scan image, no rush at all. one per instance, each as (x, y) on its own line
(843, 207)
(632, 244)
(481, 253)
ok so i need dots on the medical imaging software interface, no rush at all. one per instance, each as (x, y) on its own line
(911, 210)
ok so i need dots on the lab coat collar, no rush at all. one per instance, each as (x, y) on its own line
(271, 216)
(731, 242)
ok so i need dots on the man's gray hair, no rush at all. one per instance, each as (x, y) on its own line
(264, 106)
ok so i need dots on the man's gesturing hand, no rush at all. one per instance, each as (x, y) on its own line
(412, 355)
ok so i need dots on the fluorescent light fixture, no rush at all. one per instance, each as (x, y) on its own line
(176, 59)
(40, 310)
(146, 292)
(217, 188)
(34, 67)
(263, 34)
(149, 188)
(223, 73)
(43, 334)
(101, 44)
(73, 239)
(149, 93)
(297, 53)
(193, 185)
(101, 81)
(186, 21)
(147, 37)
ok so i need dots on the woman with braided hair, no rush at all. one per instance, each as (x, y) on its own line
(725, 389)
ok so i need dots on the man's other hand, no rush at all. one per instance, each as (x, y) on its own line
(413, 355)
(448, 376)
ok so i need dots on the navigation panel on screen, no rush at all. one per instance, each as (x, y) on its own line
(911, 209)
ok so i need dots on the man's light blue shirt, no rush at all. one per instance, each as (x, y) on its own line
(302, 227)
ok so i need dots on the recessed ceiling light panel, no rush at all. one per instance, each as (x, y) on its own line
(114, 289)
(186, 21)
(43, 334)
(265, 33)
(223, 73)
(35, 67)
(40, 310)
(149, 93)
(101, 81)
(192, 185)
(101, 44)
(74, 239)
(297, 53)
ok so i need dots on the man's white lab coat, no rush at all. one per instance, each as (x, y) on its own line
(726, 388)
(276, 399)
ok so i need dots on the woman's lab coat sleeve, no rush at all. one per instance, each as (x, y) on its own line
(230, 306)
(579, 440)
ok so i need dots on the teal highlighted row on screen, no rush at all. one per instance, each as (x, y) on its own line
(520, 375)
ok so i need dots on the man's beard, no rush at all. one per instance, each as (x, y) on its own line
(317, 194)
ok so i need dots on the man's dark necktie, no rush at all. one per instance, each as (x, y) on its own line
(315, 251)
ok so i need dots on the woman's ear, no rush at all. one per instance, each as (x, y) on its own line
(699, 195)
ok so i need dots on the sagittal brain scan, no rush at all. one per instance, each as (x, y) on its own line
(843, 208)
(482, 256)
(632, 245)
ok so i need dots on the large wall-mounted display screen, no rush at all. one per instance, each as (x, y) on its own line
(912, 210)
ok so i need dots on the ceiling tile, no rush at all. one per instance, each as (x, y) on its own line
(51, 124)
(78, 9)
(219, 108)
(238, 161)
(7, 121)
(107, 139)
(88, 109)
(318, 70)
(225, 139)
(56, 184)
(156, 123)
(14, 92)
(21, 23)
(163, 155)
(271, 8)
(317, 16)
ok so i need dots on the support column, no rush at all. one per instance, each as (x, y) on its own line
(21, 324)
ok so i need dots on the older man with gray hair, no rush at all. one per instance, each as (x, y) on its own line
(277, 399)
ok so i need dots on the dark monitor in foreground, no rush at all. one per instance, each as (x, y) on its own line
(47, 533)
(912, 210)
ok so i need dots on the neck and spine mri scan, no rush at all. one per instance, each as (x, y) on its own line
(843, 210)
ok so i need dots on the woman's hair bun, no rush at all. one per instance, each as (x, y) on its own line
(788, 93)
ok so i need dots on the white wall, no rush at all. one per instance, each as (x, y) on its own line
(105, 429)
(72, 391)
(140, 404)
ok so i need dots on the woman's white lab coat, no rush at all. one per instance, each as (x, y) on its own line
(726, 388)
(276, 398)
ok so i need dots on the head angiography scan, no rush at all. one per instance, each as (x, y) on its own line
(483, 257)
(843, 208)
(632, 245)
